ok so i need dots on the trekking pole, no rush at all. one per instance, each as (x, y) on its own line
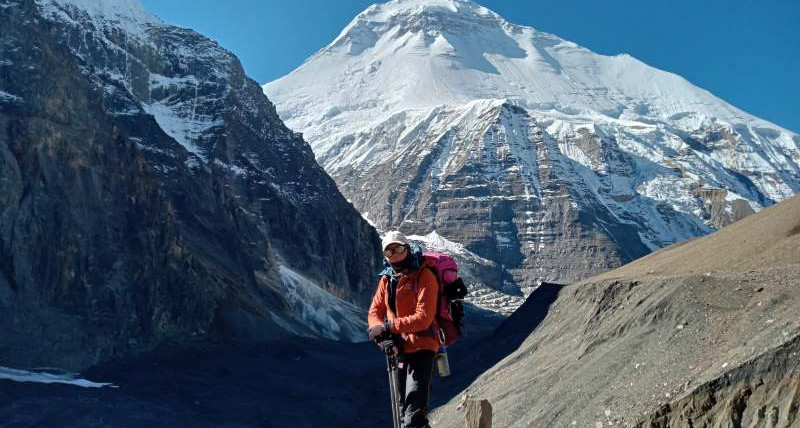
(391, 364)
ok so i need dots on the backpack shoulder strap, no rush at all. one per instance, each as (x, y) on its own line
(439, 288)
(435, 273)
(391, 291)
(391, 287)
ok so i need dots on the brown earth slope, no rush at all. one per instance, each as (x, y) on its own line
(702, 333)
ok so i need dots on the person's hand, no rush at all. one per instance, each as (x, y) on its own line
(378, 333)
(388, 347)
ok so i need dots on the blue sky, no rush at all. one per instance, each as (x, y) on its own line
(746, 52)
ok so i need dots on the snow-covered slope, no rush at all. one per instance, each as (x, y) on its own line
(42, 376)
(316, 312)
(422, 53)
(533, 152)
(115, 15)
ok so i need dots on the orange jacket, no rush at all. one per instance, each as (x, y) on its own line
(415, 310)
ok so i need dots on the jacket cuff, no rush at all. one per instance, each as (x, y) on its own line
(388, 325)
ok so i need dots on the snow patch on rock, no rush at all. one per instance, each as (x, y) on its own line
(324, 314)
(18, 375)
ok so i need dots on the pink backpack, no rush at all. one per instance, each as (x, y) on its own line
(450, 307)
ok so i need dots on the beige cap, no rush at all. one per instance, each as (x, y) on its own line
(393, 237)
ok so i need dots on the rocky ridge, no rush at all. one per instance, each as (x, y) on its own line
(701, 333)
(150, 194)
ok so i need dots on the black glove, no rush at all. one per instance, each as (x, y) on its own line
(388, 347)
(378, 333)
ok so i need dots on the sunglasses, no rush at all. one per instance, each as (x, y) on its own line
(399, 249)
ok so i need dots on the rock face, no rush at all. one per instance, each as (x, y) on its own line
(151, 194)
(552, 161)
(760, 393)
(702, 333)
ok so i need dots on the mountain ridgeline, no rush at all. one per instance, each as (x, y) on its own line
(150, 195)
(552, 161)
(153, 206)
(703, 333)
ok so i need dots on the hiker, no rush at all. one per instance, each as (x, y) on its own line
(401, 322)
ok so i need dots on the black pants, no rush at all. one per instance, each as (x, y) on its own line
(415, 388)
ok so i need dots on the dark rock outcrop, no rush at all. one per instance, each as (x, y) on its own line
(719, 211)
(150, 194)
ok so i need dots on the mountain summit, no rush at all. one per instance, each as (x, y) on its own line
(549, 160)
(417, 53)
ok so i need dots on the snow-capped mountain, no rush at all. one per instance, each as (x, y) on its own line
(476, 271)
(550, 160)
(150, 194)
